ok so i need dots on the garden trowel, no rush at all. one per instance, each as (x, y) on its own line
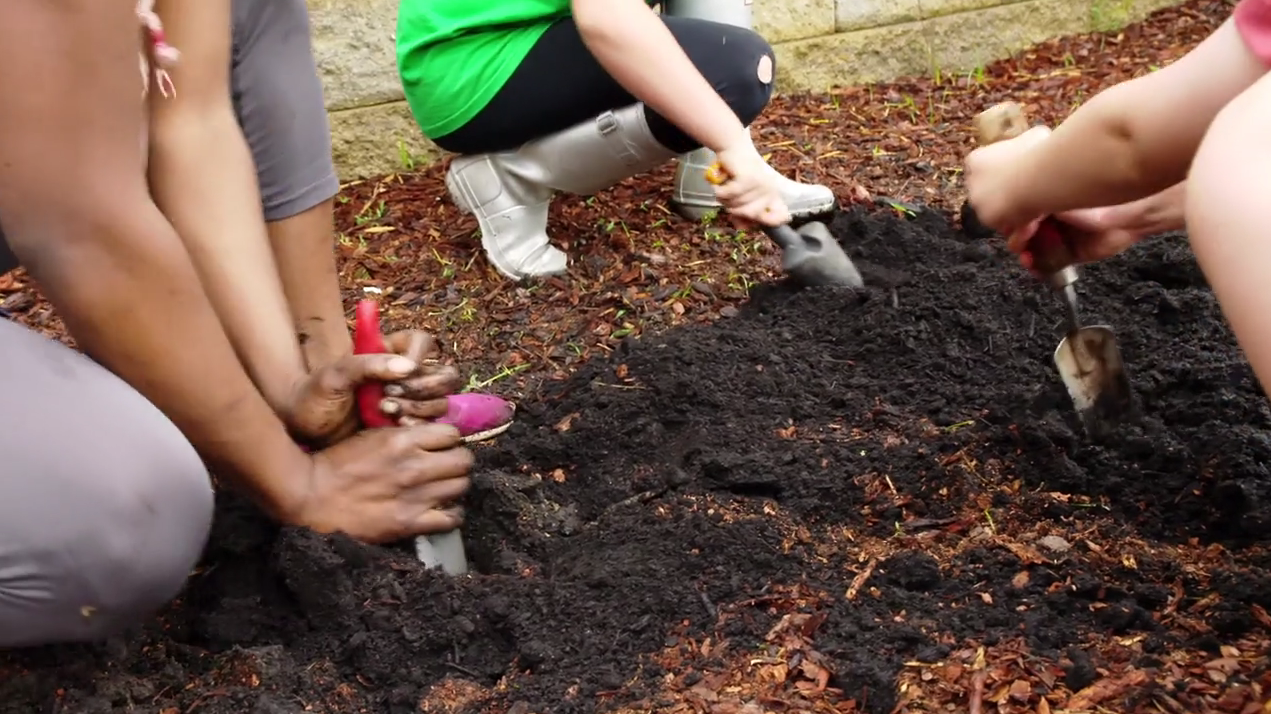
(1088, 358)
(440, 549)
(810, 254)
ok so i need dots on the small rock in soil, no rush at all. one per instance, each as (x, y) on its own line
(1055, 544)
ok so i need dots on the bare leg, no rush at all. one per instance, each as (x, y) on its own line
(279, 104)
(1226, 191)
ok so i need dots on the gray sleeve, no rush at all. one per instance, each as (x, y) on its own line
(280, 106)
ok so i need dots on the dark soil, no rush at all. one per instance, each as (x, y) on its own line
(681, 488)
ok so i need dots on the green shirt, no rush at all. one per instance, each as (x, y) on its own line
(455, 55)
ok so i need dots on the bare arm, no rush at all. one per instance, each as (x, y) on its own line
(1138, 137)
(627, 39)
(1159, 213)
(203, 179)
(77, 212)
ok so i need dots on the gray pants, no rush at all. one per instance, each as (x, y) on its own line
(104, 506)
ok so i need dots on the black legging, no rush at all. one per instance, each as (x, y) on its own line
(560, 84)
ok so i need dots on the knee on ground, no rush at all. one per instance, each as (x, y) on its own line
(162, 512)
(145, 521)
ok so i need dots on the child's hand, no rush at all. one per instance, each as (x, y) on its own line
(1098, 233)
(1111, 229)
(1088, 233)
(991, 175)
(747, 187)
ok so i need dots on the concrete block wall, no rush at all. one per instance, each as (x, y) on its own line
(819, 44)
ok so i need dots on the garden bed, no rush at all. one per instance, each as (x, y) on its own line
(830, 501)
(771, 501)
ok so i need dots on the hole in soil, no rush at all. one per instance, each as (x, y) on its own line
(859, 479)
(512, 518)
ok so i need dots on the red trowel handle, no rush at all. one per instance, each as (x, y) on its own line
(1050, 248)
(367, 339)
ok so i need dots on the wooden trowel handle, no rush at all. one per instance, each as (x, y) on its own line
(1050, 246)
(1000, 122)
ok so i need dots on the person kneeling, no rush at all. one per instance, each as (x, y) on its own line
(538, 97)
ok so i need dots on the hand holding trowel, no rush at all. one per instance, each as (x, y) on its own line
(444, 549)
(1088, 358)
(810, 255)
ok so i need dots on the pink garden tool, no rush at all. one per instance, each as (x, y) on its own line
(440, 549)
(477, 416)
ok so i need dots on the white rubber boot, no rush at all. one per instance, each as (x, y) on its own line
(509, 192)
(694, 196)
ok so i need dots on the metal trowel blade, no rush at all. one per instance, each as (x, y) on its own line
(812, 256)
(444, 550)
(1089, 362)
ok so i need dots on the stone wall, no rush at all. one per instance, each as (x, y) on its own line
(819, 44)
